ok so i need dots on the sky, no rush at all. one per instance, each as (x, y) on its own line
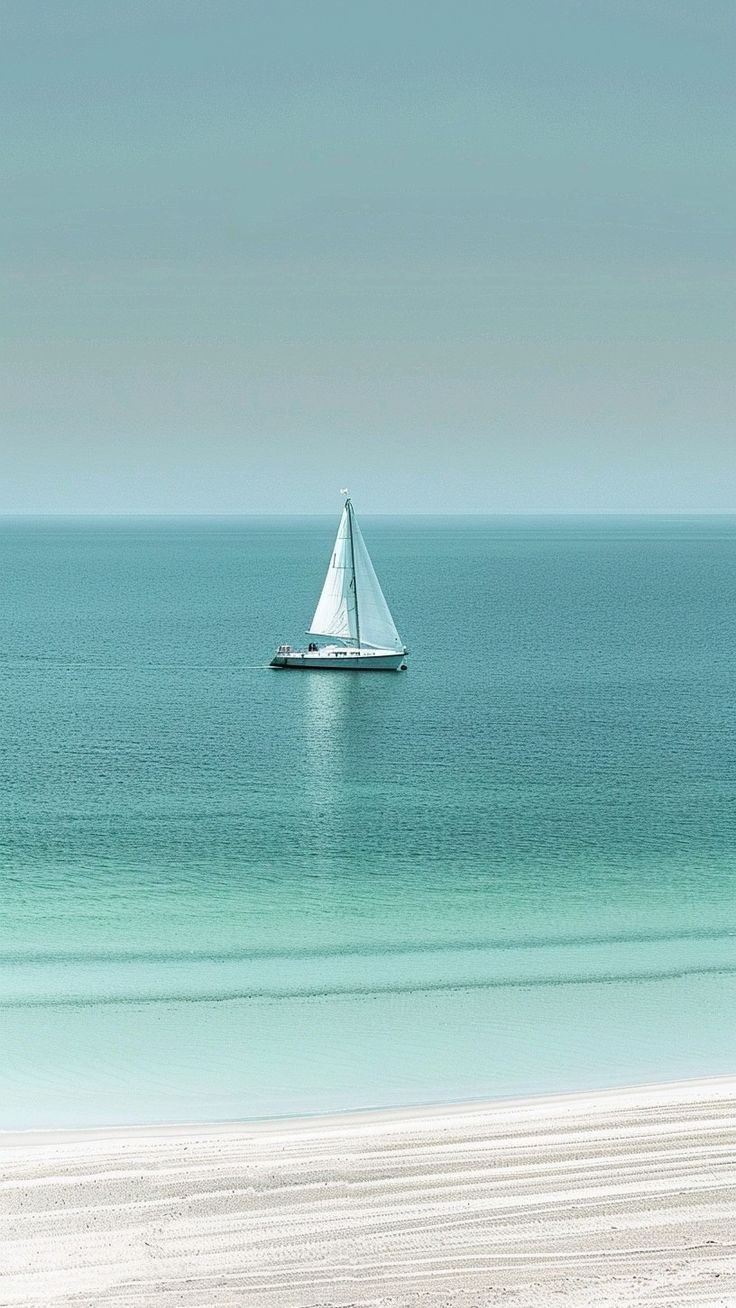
(458, 255)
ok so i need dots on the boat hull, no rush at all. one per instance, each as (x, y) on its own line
(338, 660)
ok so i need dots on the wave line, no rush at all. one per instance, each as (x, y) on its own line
(367, 991)
(11, 958)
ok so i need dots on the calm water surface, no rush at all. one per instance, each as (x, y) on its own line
(228, 891)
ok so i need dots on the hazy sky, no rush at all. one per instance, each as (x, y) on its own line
(470, 255)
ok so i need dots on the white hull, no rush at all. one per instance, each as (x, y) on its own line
(337, 658)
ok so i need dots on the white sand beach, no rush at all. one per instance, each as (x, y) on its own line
(618, 1197)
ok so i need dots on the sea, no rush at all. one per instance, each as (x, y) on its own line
(233, 892)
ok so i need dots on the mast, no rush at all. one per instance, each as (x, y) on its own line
(349, 507)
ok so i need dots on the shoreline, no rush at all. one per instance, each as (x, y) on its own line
(704, 1088)
(622, 1195)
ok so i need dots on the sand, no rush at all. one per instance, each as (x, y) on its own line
(619, 1197)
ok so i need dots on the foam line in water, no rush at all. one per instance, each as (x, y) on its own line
(378, 950)
(359, 991)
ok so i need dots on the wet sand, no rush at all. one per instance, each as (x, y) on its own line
(610, 1198)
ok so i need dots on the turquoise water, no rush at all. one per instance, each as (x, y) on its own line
(229, 891)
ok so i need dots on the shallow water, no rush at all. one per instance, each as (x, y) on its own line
(229, 891)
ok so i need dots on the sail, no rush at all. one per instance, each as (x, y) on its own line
(352, 606)
(376, 624)
(336, 614)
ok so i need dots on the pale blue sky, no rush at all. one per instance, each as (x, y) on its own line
(460, 256)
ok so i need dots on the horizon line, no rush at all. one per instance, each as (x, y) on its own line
(134, 515)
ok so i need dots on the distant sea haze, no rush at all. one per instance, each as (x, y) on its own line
(232, 892)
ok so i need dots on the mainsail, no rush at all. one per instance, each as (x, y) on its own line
(352, 606)
(336, 614)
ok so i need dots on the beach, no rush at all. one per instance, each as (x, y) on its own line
(615, 1197)
(348, 338)
(272, 901)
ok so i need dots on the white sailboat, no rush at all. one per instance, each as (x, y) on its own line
(352, 610)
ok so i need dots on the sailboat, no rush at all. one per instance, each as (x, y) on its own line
(351, 610)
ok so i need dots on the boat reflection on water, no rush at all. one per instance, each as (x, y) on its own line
(329, 725)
